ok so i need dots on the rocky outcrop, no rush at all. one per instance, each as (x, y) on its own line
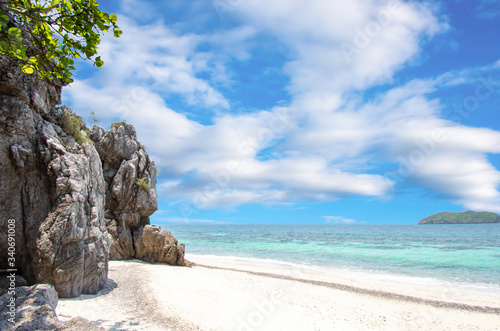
(66, 205)
(33, 308)
(52, 189)
(131, 198)
(72, 246)
(152, 244)
(128, 205)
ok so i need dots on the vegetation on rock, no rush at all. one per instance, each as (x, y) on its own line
(118, 124)
(467, 217)
(142, 183)
(72, 124)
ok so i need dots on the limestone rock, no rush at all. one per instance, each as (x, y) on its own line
(122, 247)
(152, 244)
(52, 191)
(34, 309)
(37, 94)
(119, 143)
(6, 282)
(72, 243)
(58, 198)
(131, 198)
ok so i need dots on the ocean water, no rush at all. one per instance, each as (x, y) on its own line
(465, 253)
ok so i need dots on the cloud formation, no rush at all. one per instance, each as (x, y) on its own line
(328, 141)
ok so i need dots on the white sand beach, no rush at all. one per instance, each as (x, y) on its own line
(218, 294)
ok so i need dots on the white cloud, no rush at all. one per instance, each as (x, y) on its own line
(327, 143)
(448, 158)
(153, 57)
(382, 36)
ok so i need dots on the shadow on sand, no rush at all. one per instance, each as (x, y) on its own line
(108, 287)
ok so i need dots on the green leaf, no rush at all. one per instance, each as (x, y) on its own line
(60, 30)
(15, 33)
(18, 51)
(105, 16)
(4, 19)
(98, 62)
(27, 69)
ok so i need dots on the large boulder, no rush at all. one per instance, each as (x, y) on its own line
(33, 308)
(131, 198)
(52, 193)
(152, 244)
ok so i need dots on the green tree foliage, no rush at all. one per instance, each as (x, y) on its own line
(46, 35)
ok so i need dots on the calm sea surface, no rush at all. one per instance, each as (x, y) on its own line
(468, 253)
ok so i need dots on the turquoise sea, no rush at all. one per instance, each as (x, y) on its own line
(465, 253)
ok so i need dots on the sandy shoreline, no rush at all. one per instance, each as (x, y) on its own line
(238, 295)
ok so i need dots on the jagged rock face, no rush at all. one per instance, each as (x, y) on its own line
(129, 203)
(124, 161)
(54, 190)
(152, 244)
(23, 190)
(59, 195)
(72, 244)
(34, 309)
(117, 144)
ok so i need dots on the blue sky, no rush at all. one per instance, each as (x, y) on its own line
(329, 112)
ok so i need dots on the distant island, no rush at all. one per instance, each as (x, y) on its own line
(466, 217)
